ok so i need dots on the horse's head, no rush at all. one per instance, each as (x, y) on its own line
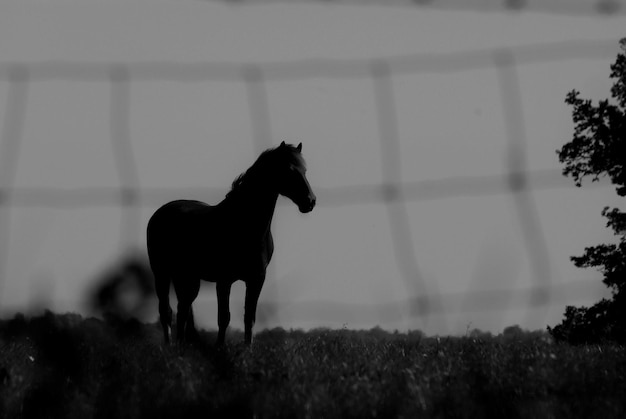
(292, 181)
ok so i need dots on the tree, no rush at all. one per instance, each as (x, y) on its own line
(597, 150)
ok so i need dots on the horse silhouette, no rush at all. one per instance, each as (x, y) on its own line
(189, 241)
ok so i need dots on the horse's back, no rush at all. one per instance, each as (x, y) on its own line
(174, 215)
(181, 206)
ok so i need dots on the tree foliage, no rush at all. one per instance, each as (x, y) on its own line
(598, 149)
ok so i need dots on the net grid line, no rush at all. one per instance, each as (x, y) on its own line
(393, 192)
(601, 7)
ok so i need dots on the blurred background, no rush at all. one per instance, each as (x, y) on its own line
(429, 129)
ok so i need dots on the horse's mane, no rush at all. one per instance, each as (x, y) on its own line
(268, 160)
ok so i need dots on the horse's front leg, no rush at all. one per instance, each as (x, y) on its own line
(253, 290)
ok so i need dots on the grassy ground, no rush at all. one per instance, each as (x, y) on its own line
(69, 367)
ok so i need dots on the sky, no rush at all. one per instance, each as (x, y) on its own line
(337, 266)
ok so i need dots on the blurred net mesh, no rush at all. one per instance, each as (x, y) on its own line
(393, 192)
(605, 7)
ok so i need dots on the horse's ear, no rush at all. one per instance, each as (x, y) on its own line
(299, 148)
(282, 144)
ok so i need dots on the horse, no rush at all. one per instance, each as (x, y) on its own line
(189, 241)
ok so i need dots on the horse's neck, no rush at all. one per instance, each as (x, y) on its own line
(253, 206)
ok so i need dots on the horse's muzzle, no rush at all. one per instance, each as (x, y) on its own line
(307, 207)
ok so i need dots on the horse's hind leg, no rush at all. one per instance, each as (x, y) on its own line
(223, 311)
(162, 285)
(186, 292)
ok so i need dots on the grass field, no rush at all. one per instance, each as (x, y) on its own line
(68, 367)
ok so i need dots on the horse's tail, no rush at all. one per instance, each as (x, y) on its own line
(162, 287)
(161, 284)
